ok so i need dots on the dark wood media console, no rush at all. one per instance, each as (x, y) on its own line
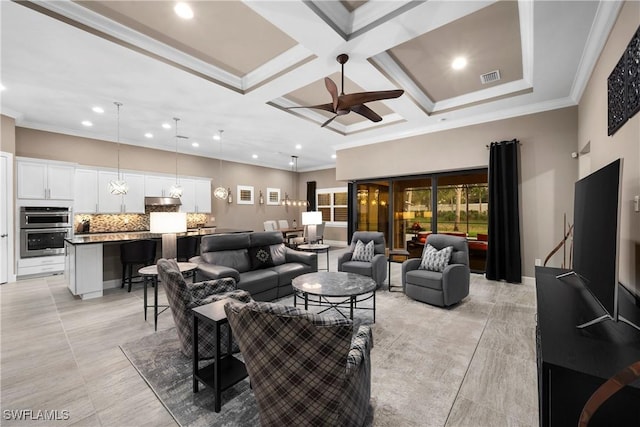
(573, 363)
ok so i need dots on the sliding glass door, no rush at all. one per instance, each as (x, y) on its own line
(372, 207)
(408, 209)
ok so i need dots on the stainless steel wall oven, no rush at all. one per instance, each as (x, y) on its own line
(43, 230)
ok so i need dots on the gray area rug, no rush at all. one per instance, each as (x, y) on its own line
(159, 361)
(420, 359)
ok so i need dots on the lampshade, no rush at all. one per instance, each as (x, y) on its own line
(311, 218)
(168, 222)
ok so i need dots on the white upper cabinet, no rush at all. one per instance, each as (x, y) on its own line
(196, 195)
(107, 202)
(188, 198)
(86, 191)
(133, 201)
(45, 180)
(158, 185)
(203, 196)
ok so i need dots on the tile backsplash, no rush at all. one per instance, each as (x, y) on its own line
(105, 223)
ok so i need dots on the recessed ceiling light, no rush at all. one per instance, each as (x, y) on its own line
(2, 87)
(183, 10)
(195, 144)
(298, 147)
(166, 126)
(333, 156)
(255, 156)
(291, 163)
(216, 137)
(148, 135)
(459, 63)
(98, 110)
(86, 123)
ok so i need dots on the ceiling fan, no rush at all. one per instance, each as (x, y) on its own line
(344, 103)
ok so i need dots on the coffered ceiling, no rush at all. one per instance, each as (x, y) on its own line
(239, 66)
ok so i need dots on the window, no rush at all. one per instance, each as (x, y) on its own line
(332, 202)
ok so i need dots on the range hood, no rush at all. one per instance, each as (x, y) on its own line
(162, 201)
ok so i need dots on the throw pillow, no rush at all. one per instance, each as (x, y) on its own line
(260, 257)
(363, 252)
(435, 260)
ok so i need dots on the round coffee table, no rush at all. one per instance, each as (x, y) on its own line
(347, 287)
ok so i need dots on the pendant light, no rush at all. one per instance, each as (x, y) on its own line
(220, 191)
(118, 186)
(286, 201)
(176, 190)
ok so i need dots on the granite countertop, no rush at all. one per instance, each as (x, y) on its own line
(81, 239)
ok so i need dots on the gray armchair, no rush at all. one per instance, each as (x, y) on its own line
(377, 268)
(184, 296)
(305, 369)
(439, 288)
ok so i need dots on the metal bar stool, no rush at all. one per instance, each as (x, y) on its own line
(137, 252)
(187, 248)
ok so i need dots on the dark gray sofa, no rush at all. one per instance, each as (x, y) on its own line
(235, 255)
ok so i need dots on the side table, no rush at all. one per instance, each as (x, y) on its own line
(211, 375)
(151, 272)
(317, 248)
(397, 256)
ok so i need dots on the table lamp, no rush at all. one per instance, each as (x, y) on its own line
(168, 224)
(311, 219)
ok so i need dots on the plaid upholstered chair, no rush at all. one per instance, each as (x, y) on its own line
(184, 296)
(305, 369)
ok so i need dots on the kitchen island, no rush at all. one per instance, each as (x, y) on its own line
(87, 254)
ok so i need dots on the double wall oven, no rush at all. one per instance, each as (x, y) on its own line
(43, 230)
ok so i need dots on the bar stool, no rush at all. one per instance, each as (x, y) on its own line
(187, 248)
(138, 252)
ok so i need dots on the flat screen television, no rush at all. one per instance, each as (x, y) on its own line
(596, 236)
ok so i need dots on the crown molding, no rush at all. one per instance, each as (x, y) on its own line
(605, 19)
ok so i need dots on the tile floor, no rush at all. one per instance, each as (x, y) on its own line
(61, 353)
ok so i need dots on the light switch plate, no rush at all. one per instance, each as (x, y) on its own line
(636, 204)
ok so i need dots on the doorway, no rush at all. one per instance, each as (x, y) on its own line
(6, 217)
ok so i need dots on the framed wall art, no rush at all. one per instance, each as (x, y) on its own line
(245, 195)
(273, 196)
(623, 87)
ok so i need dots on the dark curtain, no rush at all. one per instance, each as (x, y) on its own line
(503, 254)
(351, 211)
(311, 195)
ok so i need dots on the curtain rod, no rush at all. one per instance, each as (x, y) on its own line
(504, 142)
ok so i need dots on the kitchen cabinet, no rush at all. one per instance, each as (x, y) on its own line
(45, 180)
(133, 201)
(86, 191)
(203, 195)
(92, 192)
(107, 202)
(158, 185)
(196, 195)
(83, 269)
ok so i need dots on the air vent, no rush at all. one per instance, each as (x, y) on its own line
(490, 77)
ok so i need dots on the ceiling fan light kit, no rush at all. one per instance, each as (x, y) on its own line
(342, 104)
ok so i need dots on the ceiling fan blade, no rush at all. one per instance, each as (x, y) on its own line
(347, 101)
(328, 121)
(333, 90)
(325, 107)
(367, 112)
